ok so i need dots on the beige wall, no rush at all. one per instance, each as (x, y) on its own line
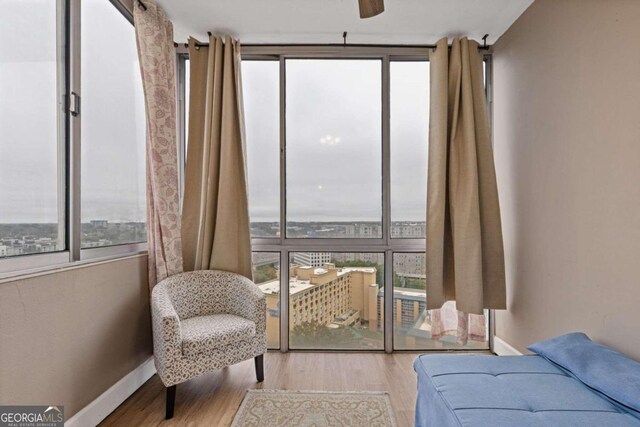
(68, 336)
(567, 147)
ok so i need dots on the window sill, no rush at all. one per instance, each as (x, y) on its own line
(112, 251)
(20, 268)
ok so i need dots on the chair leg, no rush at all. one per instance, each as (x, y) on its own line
(260, 367)
(171, 400)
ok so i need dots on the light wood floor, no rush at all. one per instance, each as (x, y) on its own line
(213, 399)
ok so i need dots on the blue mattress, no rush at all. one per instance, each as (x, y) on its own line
(507, 391)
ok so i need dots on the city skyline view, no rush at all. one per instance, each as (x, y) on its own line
(336, 301)
(34, 237)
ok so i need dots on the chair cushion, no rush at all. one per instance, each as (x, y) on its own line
(599, 367)
(206, 333)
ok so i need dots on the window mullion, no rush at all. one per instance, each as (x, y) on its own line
(283, 180)
(62, 93)
(284, 300)
(386, 207)
(386, 150)
(284, 254)
(388, 302)
(74, 150)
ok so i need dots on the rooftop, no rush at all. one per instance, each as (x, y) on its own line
(296, 285)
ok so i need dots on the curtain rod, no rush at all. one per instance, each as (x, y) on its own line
(425, 46)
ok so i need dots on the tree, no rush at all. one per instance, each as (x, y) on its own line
(265, 273)
(313, 333)
(408, 282)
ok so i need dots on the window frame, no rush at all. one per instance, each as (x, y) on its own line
(383, 157)
(386, 244)
(110, 251)
(68, 21)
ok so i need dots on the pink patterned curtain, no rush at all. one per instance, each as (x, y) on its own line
(448, 321)
(154, 35)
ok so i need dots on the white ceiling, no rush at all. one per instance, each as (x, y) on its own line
(323, 21)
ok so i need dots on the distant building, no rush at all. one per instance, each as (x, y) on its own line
(363, 230)
(97, 244)
(311, 259)
(13, 247)
(411, 265)
(99, 223)
(373, 257)
(408, 230)
(410, 313)
(327, 295)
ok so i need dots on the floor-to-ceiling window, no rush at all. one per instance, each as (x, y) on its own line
(337, 153)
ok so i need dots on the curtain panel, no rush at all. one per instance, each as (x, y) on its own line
(465, 259)
(215, 214)
(154, 36)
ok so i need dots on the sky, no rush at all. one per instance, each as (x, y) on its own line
(112, 171)
(28, 143)
(334, 139)
(333, 132)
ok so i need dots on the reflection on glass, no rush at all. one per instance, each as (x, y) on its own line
(409, 148)
(30, 219)
(334, 301)
(266, 274)
(260, 87)
(412, 323)
(334, 146)
(113, 130)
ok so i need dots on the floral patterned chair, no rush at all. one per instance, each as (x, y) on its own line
(205, 320)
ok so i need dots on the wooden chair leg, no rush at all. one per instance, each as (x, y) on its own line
(171, 400)
(260, 367)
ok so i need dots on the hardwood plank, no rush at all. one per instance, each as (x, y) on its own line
(213, 399)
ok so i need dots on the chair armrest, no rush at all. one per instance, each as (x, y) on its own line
(167, 338)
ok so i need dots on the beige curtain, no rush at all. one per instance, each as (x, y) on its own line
(215, 215)
(154, 35)
(465, 260)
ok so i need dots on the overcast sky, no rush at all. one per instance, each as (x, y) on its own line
(112, 114)
(28, 112)
(334, 161)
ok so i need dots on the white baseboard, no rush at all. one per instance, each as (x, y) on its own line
(107, 402)
(503, 348)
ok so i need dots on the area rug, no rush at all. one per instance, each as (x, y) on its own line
(280, 408)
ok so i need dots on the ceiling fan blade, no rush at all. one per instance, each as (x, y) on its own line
(369, 8)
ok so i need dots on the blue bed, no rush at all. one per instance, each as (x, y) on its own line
(469, 390)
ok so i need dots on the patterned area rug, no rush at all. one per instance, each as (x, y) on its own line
(279, 408)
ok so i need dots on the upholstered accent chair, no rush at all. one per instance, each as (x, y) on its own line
(205, 320)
